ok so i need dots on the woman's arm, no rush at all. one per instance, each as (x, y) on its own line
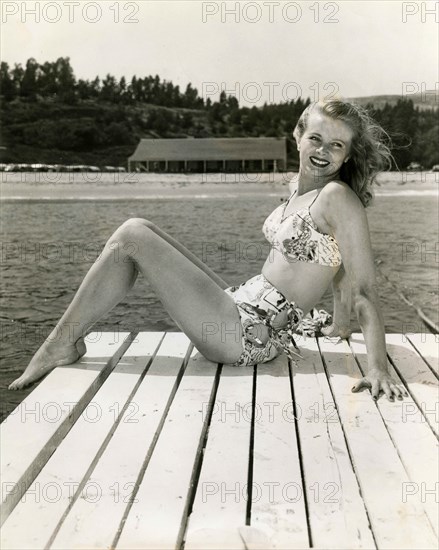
(341, 319)
(347, 217)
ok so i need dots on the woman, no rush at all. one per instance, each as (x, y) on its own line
(320, 235)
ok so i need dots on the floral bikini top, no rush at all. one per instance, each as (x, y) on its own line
(297, 237)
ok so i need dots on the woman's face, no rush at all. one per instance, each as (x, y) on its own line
(324, 146)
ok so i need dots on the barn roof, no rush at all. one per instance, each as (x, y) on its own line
(210, 149)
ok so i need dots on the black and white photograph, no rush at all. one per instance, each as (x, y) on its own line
(219, 274)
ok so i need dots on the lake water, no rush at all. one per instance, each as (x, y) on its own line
(53, 230)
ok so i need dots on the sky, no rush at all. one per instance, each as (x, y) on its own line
(258, 51)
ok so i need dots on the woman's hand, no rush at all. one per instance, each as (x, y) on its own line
(379, 381)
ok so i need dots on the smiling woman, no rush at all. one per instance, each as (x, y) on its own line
(310, 250)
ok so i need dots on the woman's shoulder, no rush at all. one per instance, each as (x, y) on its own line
(337, 186)
(337, 194)
(340, 203)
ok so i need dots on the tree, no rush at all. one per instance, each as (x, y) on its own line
(83, 89)
(47, 82)
(110, 89)
(190, 97)
(117, 133)
(29, 81)
(187, 121)
(124, 92)
(95, 87)
(17, 77)
(66, 79)
(8, 88)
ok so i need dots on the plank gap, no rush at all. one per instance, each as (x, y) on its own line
(101, 449)
(349, 450)
(433, 370)
(251, 452)
(152, 446)
(411, 461)
(412, 395)
(401, 379)
(34, 469)
(299, 452)
(403, 524)
(199, 460)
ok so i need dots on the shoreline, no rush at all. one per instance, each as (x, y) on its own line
(32, 187)
(126, 198)
(85, 187)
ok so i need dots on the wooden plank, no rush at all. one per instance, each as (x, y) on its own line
(64, 475)
(381, 475)
(157, 516)
(220, 504)
(47, 414)
(278, 507)
(421, 382)
(94, 522)
(427, 345)
(337, 515)
(406, 425)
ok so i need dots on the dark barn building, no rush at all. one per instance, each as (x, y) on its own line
(209, 155)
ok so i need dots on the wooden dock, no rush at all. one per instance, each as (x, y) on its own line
(144, 444)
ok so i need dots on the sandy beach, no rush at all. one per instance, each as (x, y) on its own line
(100, 186)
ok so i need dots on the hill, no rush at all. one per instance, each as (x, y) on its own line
(91, 132)
(49, 116)
(99, 133)
(427, 101)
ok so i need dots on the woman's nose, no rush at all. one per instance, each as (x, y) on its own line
(322, 150)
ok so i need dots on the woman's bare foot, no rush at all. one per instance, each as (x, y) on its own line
(49, 356)
(334, 331)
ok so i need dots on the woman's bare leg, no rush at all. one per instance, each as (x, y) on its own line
(186, 252)
(186, 287)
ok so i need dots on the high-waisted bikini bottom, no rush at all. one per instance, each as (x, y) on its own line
(258, 301)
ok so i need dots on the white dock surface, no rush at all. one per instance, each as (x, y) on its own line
(144, 444)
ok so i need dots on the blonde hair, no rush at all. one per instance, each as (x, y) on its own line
(370, 148)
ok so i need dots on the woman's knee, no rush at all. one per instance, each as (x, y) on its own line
(131, 227)
(135, 223)
(131, 231)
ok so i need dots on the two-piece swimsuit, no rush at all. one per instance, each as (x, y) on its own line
(298, 238)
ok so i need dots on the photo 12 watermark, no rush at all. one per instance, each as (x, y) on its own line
(270, 12)
(272, 92)
(423, 413)
(29, 334)
(52, 492)
(53, 412)
(417, 330)
(410, 489)
(51, 174)
(426, 93)
(234, 251)
(259, 251)
(269, 491)
(71, 12)
(420, 12)
(420, 252)
(269, 412)
(64, 252)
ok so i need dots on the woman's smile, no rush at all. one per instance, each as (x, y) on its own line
(320, 163)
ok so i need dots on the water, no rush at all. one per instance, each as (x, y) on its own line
(48, 246)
